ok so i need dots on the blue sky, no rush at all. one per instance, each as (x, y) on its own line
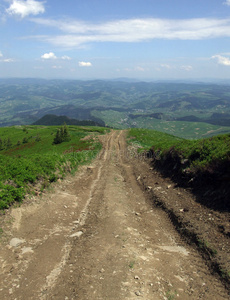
(144, 39)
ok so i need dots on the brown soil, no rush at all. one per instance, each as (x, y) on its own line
(102, 235)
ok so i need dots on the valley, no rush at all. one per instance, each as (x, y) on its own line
(188, 110)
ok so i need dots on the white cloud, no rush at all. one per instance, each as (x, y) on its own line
(84, 64)
(222, 60)
(78, 33)
(25, 8)
(65, 57)
(8, 60)
(49, 55)
(227, 2)
(186, 68)
(166, 66)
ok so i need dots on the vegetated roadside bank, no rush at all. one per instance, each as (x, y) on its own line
(202, 165)
(31, 157)
(193, 188)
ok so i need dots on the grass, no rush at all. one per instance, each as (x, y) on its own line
(23, 164)
(201, 154)
(204, 245)
(171, 295)
(148, 138)
(131, 264)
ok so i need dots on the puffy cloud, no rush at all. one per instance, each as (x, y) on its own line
(49, 55)
(1, 55)
(25, 8)
(222, 60)
(78, 33)
(227, 2)
(84, 64)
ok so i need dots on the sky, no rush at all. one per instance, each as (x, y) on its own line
(107, 39)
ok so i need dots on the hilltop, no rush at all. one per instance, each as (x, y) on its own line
(50, 120)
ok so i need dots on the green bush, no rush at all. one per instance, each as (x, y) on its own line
(10, 194)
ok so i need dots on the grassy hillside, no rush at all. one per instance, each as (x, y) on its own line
(201, 153)
(28, 156)
(59, 120)
(203, 165)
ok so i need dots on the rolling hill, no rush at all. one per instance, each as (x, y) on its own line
(165, 106)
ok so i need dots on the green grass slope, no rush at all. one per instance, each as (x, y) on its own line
(28, 157)
(201, 153)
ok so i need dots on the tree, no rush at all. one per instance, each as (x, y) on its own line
(58, 138)
(65, 132)
(62, 135)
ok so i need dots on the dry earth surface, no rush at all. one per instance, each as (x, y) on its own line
(97, 235)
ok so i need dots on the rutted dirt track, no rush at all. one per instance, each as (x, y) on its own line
(95, 236)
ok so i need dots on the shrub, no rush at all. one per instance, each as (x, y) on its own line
(62, 135)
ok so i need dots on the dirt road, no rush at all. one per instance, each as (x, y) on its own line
(95, 236)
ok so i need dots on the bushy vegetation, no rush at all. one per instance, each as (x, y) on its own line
(32, 157)
(62, 135)
(200, 154)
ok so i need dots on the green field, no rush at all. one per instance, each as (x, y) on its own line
(28, 157)
(183, 129)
